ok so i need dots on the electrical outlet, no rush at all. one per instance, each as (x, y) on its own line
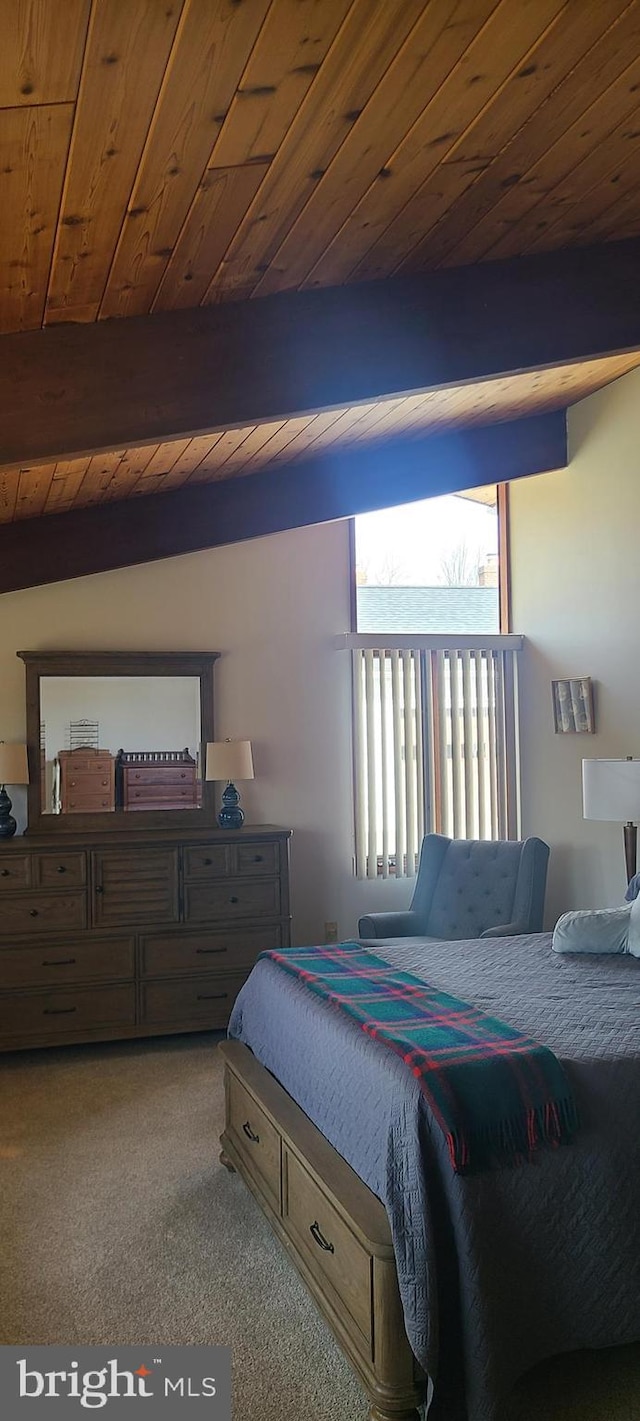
(331, 932)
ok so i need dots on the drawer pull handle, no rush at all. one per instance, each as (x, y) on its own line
(204, 951)
(33, 912)
(212, 996)
(61, 868)
(233, 900)
(314, 1230)
(59, 962)
(58, 1011)
(255, 1139)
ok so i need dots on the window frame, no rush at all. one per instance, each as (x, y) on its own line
(504, 564)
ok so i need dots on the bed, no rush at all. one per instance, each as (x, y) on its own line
(495, 1271)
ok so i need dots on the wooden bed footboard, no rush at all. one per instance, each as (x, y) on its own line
(332, 1226)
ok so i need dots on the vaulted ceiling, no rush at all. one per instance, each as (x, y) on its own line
(158, 156)
(168, 153)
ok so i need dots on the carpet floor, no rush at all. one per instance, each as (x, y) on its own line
(118, 1225)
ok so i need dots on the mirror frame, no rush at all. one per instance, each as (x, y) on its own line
(41, 664)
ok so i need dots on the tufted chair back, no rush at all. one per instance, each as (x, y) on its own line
(466, 887)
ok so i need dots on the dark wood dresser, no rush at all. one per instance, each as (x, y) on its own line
(152, 933)
(156, 779)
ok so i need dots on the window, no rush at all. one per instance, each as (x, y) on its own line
(434, 681)
(434, 566)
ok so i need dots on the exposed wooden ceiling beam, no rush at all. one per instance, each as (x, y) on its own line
(337, 484)
(77, 389)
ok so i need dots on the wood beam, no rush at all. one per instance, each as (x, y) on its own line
(337, 484)
(78, 389)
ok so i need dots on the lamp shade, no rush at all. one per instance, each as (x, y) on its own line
(14, 769)
(229, 760)
(611, 790)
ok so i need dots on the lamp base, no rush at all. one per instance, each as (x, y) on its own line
(231, 816)
(8, 824)
(630, 832)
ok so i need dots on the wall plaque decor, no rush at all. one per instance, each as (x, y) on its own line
(573, 705)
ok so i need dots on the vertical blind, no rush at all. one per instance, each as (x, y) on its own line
(436, 745)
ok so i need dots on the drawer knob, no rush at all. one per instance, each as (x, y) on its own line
(314, 1230)
(255, 1139)
(61, 868)
(207, 863)
(4, 873)
(33, 912)
(233, 900)
(257, 858)
(99, 888)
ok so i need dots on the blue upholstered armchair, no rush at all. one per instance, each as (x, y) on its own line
(470, 888)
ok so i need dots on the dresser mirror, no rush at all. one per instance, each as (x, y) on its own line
(116, 740)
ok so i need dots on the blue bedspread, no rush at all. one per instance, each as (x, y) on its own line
(499, 1270)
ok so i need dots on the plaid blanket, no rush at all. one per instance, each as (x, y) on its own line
(497, 1095)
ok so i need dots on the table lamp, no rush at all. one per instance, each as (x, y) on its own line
(611, 790)
(14, 770)
(229, 760)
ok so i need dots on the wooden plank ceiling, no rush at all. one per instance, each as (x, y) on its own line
(31, 491)
(169, 153)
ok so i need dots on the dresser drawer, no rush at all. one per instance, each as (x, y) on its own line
(24, 1014)
(255, 1138)
(43, 913)
(230, 860)
(208, 861)
(89, 800)
(166, 953)
(76, 763)
(88, 781)
(151, 795)
(327, 1244)
(159, 775)
(14, 873)
(206, 1001)
(257, 858)
(60, 963)
(232, 899)
(59, 870)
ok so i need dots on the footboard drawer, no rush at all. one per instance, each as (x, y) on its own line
(255, 1139)
(328, 1245)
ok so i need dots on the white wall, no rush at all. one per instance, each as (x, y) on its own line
(576, 596)
(272, 607)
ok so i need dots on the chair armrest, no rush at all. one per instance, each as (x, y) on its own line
(404, 924)
(505, 930)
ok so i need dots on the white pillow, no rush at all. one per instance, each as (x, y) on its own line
(634, 929)
(598, 930)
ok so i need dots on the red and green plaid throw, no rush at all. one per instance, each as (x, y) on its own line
(497, 1095)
